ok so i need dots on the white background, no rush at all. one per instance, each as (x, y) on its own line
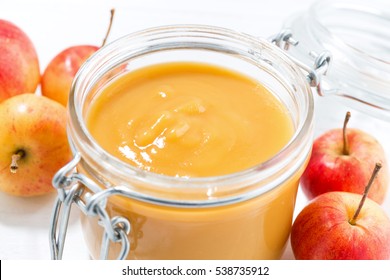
(55, 25)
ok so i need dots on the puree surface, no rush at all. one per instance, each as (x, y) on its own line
(189, 120)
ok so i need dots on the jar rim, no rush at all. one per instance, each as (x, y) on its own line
(297, 149)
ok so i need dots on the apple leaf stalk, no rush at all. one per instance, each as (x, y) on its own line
(345, 140)
(378, 166)
(14, 160)
(112, 11)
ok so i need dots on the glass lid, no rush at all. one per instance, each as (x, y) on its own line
(357, 35)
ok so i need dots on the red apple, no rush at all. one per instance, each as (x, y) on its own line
(58, 75)
(19, 65)
(33, 143)
(341, 161)
(337, 226)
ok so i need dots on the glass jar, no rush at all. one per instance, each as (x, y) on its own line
(356, 33)
(134, 214)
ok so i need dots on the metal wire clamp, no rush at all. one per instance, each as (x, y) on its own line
(321, 64)
(73, 187)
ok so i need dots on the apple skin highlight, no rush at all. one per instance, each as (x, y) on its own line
(322, 229)
(329, 169)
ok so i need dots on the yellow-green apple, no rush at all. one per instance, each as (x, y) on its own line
(58, 76)
(19, 65)
(33, 144)
(341, 161)
(340, 226)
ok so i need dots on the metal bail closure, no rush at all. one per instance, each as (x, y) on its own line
(322, 61)
(62, 207)
(116, 229)
(59, 222)
(72, 187)
(121, 228)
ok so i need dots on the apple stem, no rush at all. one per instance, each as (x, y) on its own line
(345, 140)
(14, 160)
(378, 166)
(109, 27)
